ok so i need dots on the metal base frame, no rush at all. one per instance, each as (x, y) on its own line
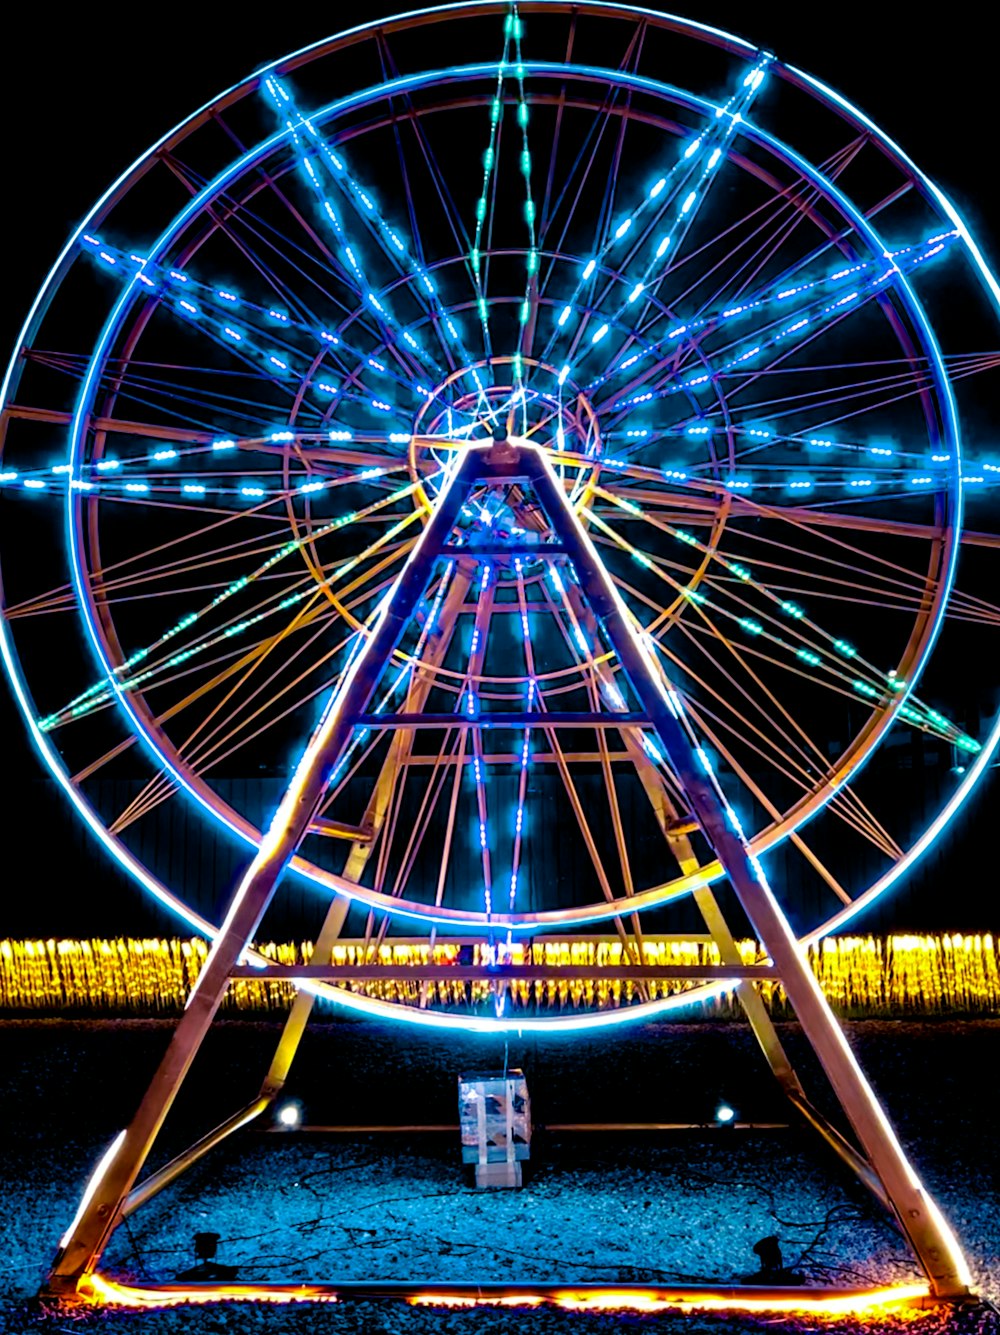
(626, 1298)
(879, 1162)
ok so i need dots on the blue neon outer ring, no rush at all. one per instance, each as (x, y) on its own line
(410, 82)
(116, 848)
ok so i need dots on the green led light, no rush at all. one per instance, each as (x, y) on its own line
(809, 657)
(792, 610)
(751, 627)
(842, 647)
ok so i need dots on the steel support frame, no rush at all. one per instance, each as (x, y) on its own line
(113, 1186)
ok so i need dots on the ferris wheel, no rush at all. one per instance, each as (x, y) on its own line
(525, 424)
(712, 316)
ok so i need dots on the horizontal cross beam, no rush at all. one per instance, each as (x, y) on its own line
(625, 719)
(511, 973)
(506, 548)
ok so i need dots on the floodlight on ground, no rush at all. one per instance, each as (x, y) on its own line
(724, 1115)
(207, 1269)
(768, 1252)
(206, 1245)
(289, 1116)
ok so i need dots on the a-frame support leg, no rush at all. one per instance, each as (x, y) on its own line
(102, 1207)
(357, 859)
(750, 999)
(773, 1049)
(302, 1005)
(917, 1214)
(374, 817)
(667, 817)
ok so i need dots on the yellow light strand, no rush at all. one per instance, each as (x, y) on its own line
(862, 976)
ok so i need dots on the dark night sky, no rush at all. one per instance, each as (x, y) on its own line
(88, 90)
(88, 93)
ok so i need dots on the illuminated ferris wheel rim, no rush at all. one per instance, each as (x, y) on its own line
(141, 717)
(731, 44)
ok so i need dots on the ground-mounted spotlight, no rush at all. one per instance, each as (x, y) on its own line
(724, 1115)
(772, 1264)
(768, 1252)
(289, 1116)
(207, 1268)
(206, 1245)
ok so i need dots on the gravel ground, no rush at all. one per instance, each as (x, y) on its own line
(602, 1208)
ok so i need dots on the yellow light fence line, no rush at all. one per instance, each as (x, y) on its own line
(863, 976)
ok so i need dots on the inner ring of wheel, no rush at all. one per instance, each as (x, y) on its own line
(559, 418)
(764, 839)
(568, 429)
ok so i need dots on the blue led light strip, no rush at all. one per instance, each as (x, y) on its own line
(91, 700)
(393, 245)
(689, 176)
(477, 651)
(200, 303)
(823, 312)
(531, 258)
(227, 332)
(870, 274)
(707, 152)
(490, 170)
(361, 734)
(583, 645)
(522, 781)
(352, 266)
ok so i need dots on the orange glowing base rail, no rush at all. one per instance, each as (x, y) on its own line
(104, 1292)
(827, 1302)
